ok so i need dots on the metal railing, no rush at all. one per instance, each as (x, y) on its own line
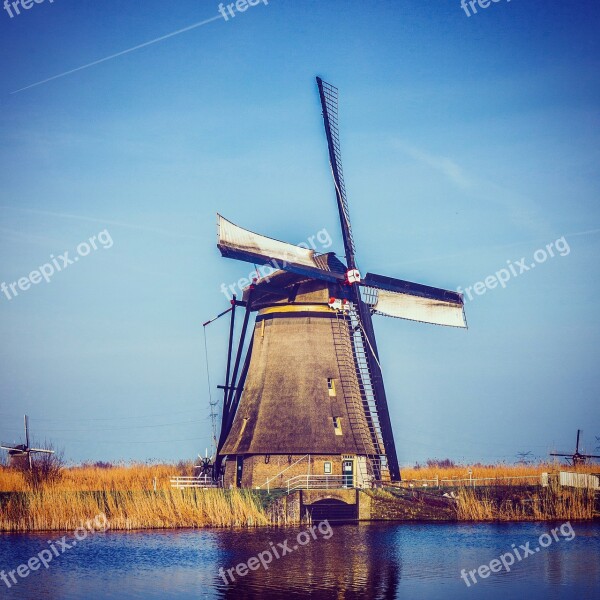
(319, 482)
(467, 482)
(182, 482)
(268, 481)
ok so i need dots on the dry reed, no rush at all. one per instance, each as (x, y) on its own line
(545, 504)
(128, 498)
(140, 497)
(139, 477)
(500, 473)
(54, 509)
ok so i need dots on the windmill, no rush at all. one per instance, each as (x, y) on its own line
(206, 466)
(311, 382)
(22, 452)
(577, 458)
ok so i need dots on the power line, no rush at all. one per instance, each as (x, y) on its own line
(93, 419)
(125, 442)
(82, 430)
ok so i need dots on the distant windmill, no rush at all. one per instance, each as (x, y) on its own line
(206, 465)
(22, 451)
(577, 458)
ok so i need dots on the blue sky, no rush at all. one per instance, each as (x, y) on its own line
(467, 142)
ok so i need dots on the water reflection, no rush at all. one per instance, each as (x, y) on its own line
(358, 561)
(343, 566)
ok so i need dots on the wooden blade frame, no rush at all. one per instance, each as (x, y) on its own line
(329, 103)
(413, 301)
(241, 244)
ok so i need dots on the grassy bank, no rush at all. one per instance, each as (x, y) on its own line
(128, 498)
(55, 509)
(538, 504)
(499, 474)
(141, 497)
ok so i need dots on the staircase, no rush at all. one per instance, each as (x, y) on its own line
(357, 388)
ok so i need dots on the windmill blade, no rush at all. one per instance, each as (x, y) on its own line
(238, 243)
(40, 450)
(413, 301)
(329, 103)
(590, 455)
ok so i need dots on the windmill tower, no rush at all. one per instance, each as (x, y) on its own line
(577, 458)
(310, 388)
(20, 455)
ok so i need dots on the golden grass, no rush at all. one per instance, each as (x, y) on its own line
(545, 504)
(500, 472)
(525, 504)
(125, 494)
(54, 509)
(138, 477)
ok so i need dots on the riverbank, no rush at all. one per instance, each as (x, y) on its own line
(140, 497)
(57, 510)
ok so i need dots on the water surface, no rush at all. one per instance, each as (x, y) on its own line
(357, 561)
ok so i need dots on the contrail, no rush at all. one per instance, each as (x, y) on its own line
(102, 221)
(101, 60)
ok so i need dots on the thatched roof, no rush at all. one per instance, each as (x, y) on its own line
(286, 407)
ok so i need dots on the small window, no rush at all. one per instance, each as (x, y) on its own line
(327, 468)
(331, 386)
(337, 425)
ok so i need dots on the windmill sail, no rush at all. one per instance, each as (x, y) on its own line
(17, 451)
(364, 344)
(238, 243)
(577, 458)
(383, 295)
(329, 103)
(413, 301)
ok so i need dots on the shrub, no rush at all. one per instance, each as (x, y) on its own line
(45, 468)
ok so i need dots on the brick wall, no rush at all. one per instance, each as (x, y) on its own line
(256, 471)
